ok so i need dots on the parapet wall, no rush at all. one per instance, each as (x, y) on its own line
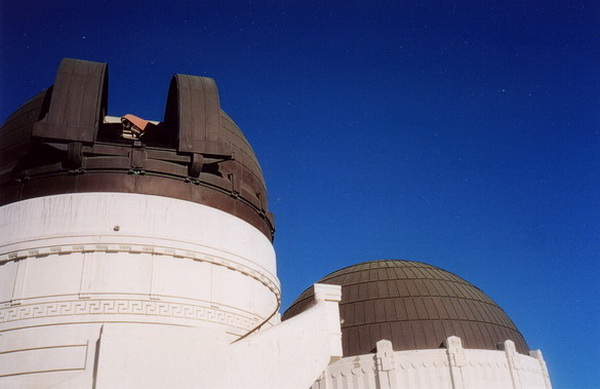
(452, 367)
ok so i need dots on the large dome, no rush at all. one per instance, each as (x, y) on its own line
(62, 141)
(414, 305)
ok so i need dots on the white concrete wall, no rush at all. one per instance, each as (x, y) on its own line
(113, 355)
(127, 257)
(71, 263)
(290, 355)
(48, 357)
(452, 367)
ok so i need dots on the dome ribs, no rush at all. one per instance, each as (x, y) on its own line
(414, 305)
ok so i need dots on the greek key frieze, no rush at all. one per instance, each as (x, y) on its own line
(125, 307)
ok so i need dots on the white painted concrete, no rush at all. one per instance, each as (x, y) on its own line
(72, 264)
(290, 355)
(132, 355)
(452, 367)
(101, 257)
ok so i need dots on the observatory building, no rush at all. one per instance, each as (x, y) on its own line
(136, 253)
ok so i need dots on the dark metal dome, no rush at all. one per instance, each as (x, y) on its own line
(414, 305)
(61, 141)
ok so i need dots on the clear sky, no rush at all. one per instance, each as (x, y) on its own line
(461, 134)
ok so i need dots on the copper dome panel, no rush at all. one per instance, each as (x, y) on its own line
(414, 305)
(60, 142)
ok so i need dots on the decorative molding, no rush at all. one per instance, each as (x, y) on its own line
(19, 283)
(133, 308)
(326, 292)
(514, 364)
(385, 356)
(68, 357)
(537, 354)
(454, 367)
(44, 251)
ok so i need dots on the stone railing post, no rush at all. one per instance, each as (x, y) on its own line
(456, 360)
(514, 365)
(386, 364)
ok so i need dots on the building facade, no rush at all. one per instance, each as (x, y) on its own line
(139, 254)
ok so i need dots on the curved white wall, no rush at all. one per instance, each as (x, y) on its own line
(113, 257)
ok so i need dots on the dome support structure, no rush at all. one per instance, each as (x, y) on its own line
(62, 141)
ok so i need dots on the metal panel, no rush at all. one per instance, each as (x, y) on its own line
(425, 306)
(193, 108)
(78, 102)
(50, 146)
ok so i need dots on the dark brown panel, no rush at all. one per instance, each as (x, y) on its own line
(430, 307)
(382, 289)
(422, 313)
(441, 309)
(419, 307)
(390, 310)
(438, 331)
(398, 340)
(16, 132)
(359, 314)
(372, 288)
(58, 143)
(78, 103)
(353, 292)
(349, 313)
(379, 309)
(348, 348)
(385, 332)
(193, 106)
(401, 310)
(364, 340)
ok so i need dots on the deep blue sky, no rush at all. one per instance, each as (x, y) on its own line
(465, 135)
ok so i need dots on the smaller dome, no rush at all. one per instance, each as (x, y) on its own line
(414, 305)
